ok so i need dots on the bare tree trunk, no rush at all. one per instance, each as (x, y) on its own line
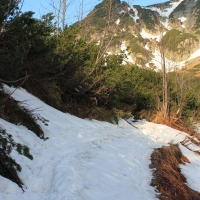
(60, 11)
(64, 10)
(182, 83)
(58, 18)
(165, 97)
(57, 14)
(165, 110)
(80, 13)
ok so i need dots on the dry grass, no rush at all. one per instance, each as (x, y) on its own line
(167, 177)
(175, 123)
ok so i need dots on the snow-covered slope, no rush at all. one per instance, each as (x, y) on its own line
(166, 12)
(87, 159)
(156, 60)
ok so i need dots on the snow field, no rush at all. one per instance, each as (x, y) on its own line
(88, 160)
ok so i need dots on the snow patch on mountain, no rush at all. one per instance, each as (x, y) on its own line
(170, 65)
(167, 11)
(136, 17)
(182, 19)
(195, 54)
(128, 58)
(118, 21)
(147, 35)
(166, 24)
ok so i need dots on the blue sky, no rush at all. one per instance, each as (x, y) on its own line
(41, 7)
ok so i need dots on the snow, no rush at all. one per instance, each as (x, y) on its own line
(146, 47)
(169, 64)
(166, 24)
(182, 19)
(136, 17)
(87, 159)
(168, 10)
(118, 21)
(128, 58)
(191, 171)
(147, 35)
(165, 14)
(195, 54)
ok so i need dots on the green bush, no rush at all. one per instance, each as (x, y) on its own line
(8, 166)
(14, 113)
(149, 17)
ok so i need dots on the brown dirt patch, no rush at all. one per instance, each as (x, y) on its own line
(167, 177)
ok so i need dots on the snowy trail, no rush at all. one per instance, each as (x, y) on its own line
(103, 164)
(85, 159)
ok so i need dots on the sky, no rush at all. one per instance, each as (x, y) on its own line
(89, 159)
(41, 7)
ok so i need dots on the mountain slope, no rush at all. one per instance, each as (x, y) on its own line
(141, 31)
(88, 159)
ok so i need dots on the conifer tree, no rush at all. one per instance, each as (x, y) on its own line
(13, 41)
